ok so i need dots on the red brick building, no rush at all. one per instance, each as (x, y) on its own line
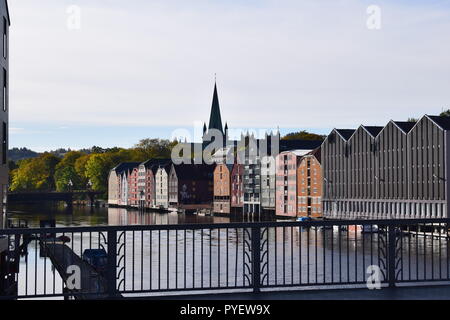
(222, 188)
(309, 185)
(133, 193)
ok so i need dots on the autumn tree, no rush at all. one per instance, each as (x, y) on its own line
(97, 170)
(35, 174)
(66, 176)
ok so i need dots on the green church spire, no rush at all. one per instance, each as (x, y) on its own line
(215, 120)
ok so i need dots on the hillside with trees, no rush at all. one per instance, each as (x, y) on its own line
(303, 135)
(50, 171)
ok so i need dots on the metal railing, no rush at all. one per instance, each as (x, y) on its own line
(158, 259)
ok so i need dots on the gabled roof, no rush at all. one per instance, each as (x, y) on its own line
(165, 166)
(313, 153)
(317, 153)
(126, 166)
(229, 166)
(405, 126)
(345, 133)
(373, 130)
(443, 122)
(152, 162)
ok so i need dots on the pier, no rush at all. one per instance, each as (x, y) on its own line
(92, 284)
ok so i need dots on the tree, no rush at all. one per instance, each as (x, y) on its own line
(155, 148)
(445, 113)
(35, 173)
(97, 170)
(412, 120)
(303, 135)
(65, 171)
(66, 178)
(80, 169)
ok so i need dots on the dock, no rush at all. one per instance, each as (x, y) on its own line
(93, 284)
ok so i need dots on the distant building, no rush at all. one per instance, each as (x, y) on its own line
(146, 181)
(133, 194)
(397, 171)
(309, 185)
(237, 189)
(260, 170)
(162, 186)
(286, 182)
(118, 183)
(190, 184)
(222, 188)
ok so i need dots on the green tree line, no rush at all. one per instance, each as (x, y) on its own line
(74, 170)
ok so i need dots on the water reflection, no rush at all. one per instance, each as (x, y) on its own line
(87, 216)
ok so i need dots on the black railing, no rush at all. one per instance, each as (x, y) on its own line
(161, 259)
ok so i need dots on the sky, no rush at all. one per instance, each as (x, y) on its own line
(112, 72)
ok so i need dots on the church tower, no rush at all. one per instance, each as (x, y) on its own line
(215, 119)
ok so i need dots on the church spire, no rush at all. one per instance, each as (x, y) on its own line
(215, 120)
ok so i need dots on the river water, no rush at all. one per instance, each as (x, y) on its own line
(89, 216)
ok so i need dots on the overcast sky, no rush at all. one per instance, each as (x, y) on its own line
(142, 68)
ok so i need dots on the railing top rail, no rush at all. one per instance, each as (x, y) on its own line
(232, 225)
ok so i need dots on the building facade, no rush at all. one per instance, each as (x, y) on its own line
(309, 185)
(398, 171)
(4, 112)
(286, 182)
(190, 184)
(133, 193)
(118, 181)
(162, 186)
(237, 189)
(146, 181)
(222, 188)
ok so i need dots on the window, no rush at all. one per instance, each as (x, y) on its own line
(5, 38)
(4, 89)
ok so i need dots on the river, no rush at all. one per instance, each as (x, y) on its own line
(90, 216)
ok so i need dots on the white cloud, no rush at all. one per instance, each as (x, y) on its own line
(287, 63)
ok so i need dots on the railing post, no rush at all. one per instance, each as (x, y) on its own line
(256, 259)
(112, 264)
(391, 255)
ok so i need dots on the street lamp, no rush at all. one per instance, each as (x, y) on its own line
(89, 184)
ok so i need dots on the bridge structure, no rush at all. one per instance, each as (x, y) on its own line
(67, 197)
(234, 258)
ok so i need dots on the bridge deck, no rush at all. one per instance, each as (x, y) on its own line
(93, 284)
